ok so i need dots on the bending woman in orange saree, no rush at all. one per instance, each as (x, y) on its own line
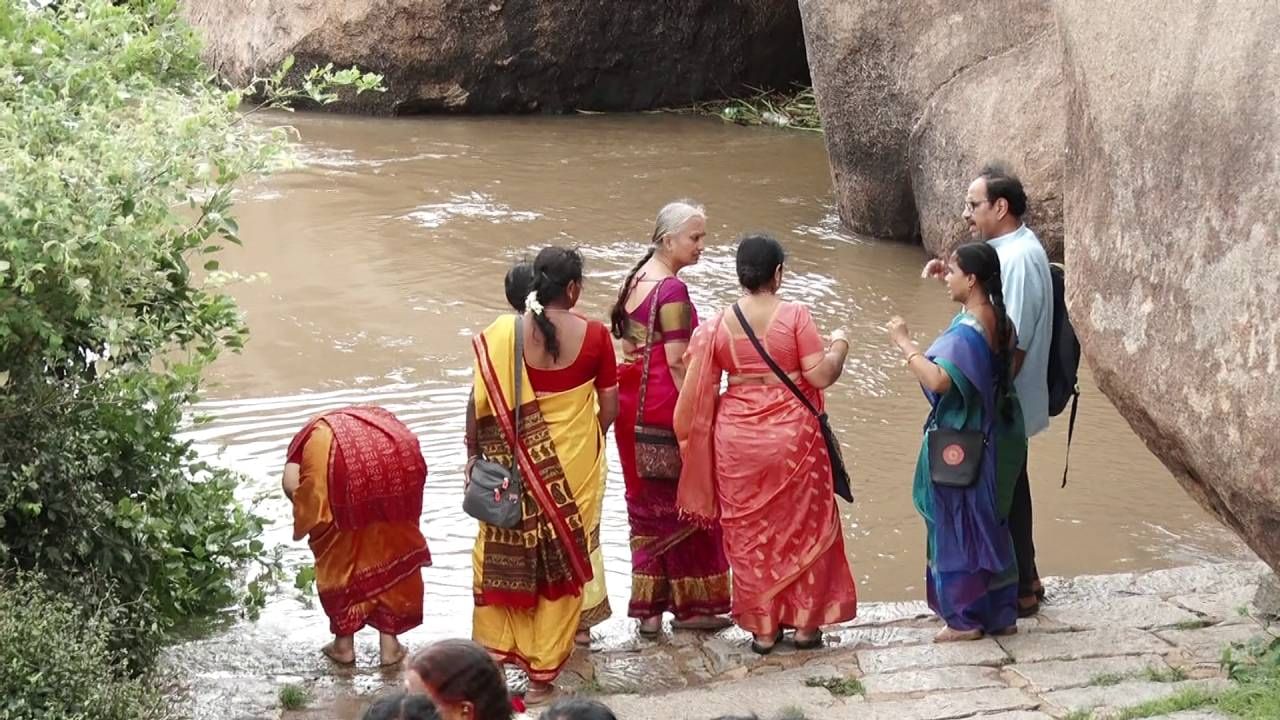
(532, 582)
(755, 458)
(355, 477)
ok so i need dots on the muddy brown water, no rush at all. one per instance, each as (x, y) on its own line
(385, 250)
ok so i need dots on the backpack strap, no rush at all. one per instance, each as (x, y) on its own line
(1071, 430)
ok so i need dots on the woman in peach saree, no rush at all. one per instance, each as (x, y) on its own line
(755, 458)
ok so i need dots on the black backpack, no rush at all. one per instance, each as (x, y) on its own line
(1064, 359)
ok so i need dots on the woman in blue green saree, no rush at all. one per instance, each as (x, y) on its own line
(971, 573)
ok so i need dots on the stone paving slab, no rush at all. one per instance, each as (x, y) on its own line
(1125, 694)
(1205, 645)
(1064, 674)
(863, 638)
(882, 613)
(1201, 578)
(1017, 715)
(923, 657)
(766, 696)
(1222, 607)
(945, 706)
(1137, 611)
(635, 673)
(1193, 715)
(1039, 647)
(945, 679)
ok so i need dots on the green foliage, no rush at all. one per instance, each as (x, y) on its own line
(294, 697)
(56, 661)
(838, 686)
(1188, 699)
(1107, 679)
(1256, 671)
(1167, 675)
(118, 162)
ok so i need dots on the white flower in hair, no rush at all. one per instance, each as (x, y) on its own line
(532, 303)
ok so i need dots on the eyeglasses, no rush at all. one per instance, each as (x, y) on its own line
(972, 206)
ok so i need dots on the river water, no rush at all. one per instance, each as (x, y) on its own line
(385, 250)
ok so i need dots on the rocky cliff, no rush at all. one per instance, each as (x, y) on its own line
(515, 55)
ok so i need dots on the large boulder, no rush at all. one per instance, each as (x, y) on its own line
(1010, 108)
(1173, 237)
(515, 55)
(876, 65)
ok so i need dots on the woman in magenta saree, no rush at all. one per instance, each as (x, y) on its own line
(677, 567)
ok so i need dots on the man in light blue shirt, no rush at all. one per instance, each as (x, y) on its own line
(994, 206)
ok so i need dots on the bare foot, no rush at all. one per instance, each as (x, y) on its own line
(390, 650)
(651, 625)
(703, 622)
(582, 638)
(538, 693)
(341, 651)
(952, 635)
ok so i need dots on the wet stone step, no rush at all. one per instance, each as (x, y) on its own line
(1039, 647)
(945, 679)
(1064, 674)
(1125, 694)
(923, 657)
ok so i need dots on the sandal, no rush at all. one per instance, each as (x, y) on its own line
(812, 643)
(1028, 606)
(759, 649)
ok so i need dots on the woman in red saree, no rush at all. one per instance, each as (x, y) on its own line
(676, 566)
(755, 458)
(355, 477)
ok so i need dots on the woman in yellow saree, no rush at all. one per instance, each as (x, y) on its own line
(533, 582)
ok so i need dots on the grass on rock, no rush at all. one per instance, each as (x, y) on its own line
(294, 697)
(838, 686)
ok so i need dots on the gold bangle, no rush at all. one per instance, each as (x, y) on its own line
(912, 355)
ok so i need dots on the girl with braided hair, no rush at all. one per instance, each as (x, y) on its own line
(971, 573)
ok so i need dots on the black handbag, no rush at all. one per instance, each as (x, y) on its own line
(839, 475)
(494, 491)
(955, 456)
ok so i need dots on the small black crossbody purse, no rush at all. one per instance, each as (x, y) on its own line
(955, 456)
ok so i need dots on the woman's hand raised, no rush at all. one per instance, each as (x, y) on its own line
(898, 331)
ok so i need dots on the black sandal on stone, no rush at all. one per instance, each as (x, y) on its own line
(759, 649)
(812, 643)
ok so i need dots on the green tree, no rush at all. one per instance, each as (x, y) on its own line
(118, 160)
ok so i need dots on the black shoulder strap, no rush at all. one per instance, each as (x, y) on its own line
(786, 379)
(1071, 430)
(519, 386)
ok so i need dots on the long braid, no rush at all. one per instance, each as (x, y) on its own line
(618, 316)
(554, 270)
(540, 319)
(995, 293)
